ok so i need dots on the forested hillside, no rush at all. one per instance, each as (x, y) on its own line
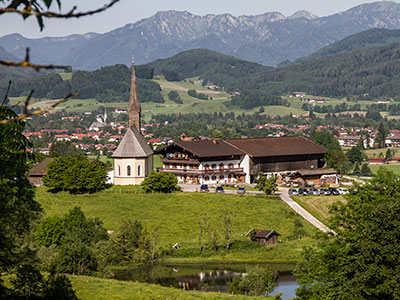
(363, 40)
(365, 73)
(373, 72)
(108, 84)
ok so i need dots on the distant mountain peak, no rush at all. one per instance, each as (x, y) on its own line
(303, 14)
(267, 38)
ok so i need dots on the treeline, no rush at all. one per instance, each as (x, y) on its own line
(393, 109)
(330, 108)
(229, 125)
(195, 94)
(49, 86)
(108, 84)
(249, 99)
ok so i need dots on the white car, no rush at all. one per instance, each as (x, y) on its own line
(343, 191)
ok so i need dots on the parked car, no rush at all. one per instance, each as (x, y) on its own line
(241, 190)
(204, 188)
(343, 191)
(314, 192)
(304, 192)
(219, 189)
(325, 192)
(293, 192)
(334, 191)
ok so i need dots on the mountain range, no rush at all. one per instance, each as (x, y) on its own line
(268, 39)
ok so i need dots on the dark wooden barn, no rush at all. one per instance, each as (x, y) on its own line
(262, 236)
(272, 155)
(38, 171)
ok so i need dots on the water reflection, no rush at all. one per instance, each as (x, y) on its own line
(207, 278)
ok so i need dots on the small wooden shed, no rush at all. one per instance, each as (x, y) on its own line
(262, 236)
(38, 171)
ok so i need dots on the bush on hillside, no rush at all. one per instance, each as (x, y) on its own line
(174, 96)
(160, 182)
(194, 94)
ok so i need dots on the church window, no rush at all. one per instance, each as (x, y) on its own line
(128, 170)
(221, 166)
(119, 170)
(213, 178)
(139, 170)
(213, 166)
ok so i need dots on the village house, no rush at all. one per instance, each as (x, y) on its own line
(392, 141)
(376, 160)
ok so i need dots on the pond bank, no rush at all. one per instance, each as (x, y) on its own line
(205, 277)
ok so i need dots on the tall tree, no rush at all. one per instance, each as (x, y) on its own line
(335, 157)
(361, 261)
(18, 211)
(381, 135)
(265, 184)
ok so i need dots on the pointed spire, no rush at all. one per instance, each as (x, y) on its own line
(134, 104)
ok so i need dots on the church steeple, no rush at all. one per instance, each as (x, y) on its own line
(134, 104)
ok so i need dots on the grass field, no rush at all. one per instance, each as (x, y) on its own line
(91, 288)
(176, 217)
(391, 167)
(318, 206)
(377, 152)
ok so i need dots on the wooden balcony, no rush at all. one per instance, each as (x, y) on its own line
(236, 171)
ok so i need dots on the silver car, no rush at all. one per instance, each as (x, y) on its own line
(314, 192)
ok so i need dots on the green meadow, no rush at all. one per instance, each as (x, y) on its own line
(391, 167)
(91, 288)
(176, 218)
(318, 206)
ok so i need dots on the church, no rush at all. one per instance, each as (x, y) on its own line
(133, 159)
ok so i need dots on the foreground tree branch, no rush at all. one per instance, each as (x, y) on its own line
(33, 8)
(28, 114)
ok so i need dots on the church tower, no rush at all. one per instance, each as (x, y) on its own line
(134, 103)
(133, 159)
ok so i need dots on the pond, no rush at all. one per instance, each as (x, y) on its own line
(206, 277)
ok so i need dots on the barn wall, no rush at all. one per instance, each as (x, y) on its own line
(285, 163)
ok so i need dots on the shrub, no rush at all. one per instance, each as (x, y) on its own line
(257, 281)
(160, 182)
(75, 174)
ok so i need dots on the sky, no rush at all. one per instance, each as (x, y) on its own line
(131, 11)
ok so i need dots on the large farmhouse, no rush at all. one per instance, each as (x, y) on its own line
(239, 160)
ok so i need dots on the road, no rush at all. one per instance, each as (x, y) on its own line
(283, 193)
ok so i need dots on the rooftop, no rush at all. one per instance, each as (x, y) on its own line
(282, 146)
(133, 145)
